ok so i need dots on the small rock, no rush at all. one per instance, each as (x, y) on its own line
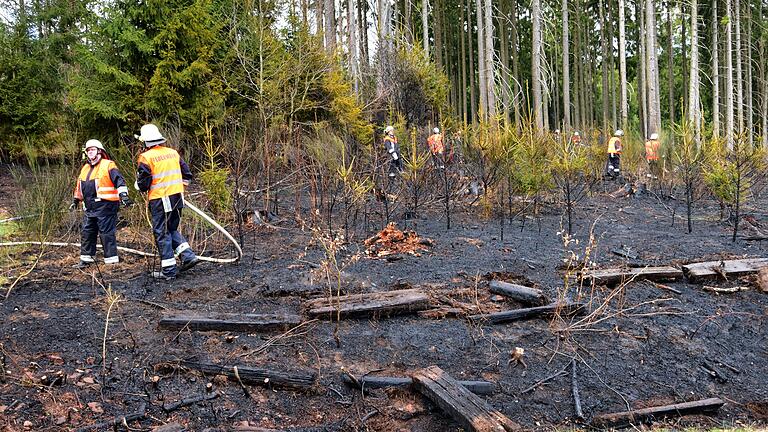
(96, 407)
(27, 424)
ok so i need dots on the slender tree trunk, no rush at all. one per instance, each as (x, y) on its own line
(684, 51)
(694, 108)
(504, 72)
(670, 65)
(739, 74)
(473, 77)
(623, 66)
(518, 98)
(642, 87)
(481, 65)
(362, 31)
(604, 64)
(764, 78)
(425, 26)
(729, 77)
(330, 25)
(319, 27)
(654, 121)
(715, 73)
(566, 73)
(463, 61)
(437, 32)
(354, 43)
(612, 67)
(749, 67)
(538, 113)
(490, 69)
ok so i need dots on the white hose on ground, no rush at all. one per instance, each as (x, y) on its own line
(150, 254)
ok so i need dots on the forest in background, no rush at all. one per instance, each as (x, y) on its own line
(254, 91)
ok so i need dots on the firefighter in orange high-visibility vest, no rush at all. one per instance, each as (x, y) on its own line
(437, 148)
(652, 154)
(100, 189)
(162, 174)
(614, 153)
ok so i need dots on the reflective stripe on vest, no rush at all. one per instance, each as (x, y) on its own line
(652, 150)
(105, 189)
(612, 147)
(166, 171)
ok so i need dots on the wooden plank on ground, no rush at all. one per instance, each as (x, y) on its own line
(523, 294)
(713, 269)
(374, 382)
(565, 309)
(389, 302)
(618, 275)
(220, 321)
(471, 412)
(263, 377)
(646, 415)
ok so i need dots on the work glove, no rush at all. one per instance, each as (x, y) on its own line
(125, 200)
(75, 205)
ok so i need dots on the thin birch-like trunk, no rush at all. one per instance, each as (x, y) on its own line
(694, 109)
(715, 73)
(729, 76)
(490, 73)
(623, 66)
(536, 66)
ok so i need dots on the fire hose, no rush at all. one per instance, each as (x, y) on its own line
(142, 253)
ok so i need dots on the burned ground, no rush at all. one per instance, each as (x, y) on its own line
(649, 346)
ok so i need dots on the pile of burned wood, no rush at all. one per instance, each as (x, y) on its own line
(392, 241)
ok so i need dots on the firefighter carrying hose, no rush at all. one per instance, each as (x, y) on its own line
(162, 174)
(614, 154)
(393, 149)
(437, 148)
(101, 189)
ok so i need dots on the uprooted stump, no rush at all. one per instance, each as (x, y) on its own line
(647, 415)
(386, 303)
(392, 241)
(262, 377)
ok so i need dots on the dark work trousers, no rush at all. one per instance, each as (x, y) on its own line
(614, 161)
(103, 224)
(396, 166)
(169, 240)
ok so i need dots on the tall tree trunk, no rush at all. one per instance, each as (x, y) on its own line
(670, 65)
(504, 72)
(715, 51)
(739, 72)
(473, 76)
(623, 66)
(330, 25)
(319, 27)
(694, 108)
(643, 69)
(684, 50)
(518, 98)
(729, 77)
(425, 26)
(654, 119)
(490, 69)
(749, 67)
(354, 43)
(437, 32)
(481, 59)
(612, 67)
(463, 60)
(763, 69)
(566, 73)
(538, 113)
(362, 31)
(604, 64)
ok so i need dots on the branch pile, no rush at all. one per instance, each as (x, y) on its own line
(392, 241)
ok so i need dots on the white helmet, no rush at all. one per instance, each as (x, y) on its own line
(619, 132)
(654, 136)
(576, 133)
(93, 143)
(436, 130)
(389, 129)
(150, 135)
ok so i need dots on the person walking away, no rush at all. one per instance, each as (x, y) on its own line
(652, 155)
(390, 143)
(101, 189)
(162, 174)
(437, 148)
(614, 153)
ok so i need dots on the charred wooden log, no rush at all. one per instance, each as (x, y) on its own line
(520, 293)
(227, 321)
(647, 415)
(565, 309)
(263, 377)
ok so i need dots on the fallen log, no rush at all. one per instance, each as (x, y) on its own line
(374, 382)
(471, 412)
(170, 427)
(177, 320)
(263, 377)
(139, 414)
(648, 415)
(566, 309)
(389, 302)
(615, 276)
(724, 268)
(520, 293)
(721, 290)
(189, 400)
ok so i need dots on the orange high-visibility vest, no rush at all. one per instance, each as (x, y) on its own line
(165, 165)
(614, 145)
(99, 173)
(652, 150)
(435, 142)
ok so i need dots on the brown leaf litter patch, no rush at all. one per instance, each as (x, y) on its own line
(392, 241)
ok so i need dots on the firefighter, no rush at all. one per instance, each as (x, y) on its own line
(614, 153)
(101, 189)
(652, 154)
(162, 174)
(437, 148)
(576, 139)
(390, 143)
